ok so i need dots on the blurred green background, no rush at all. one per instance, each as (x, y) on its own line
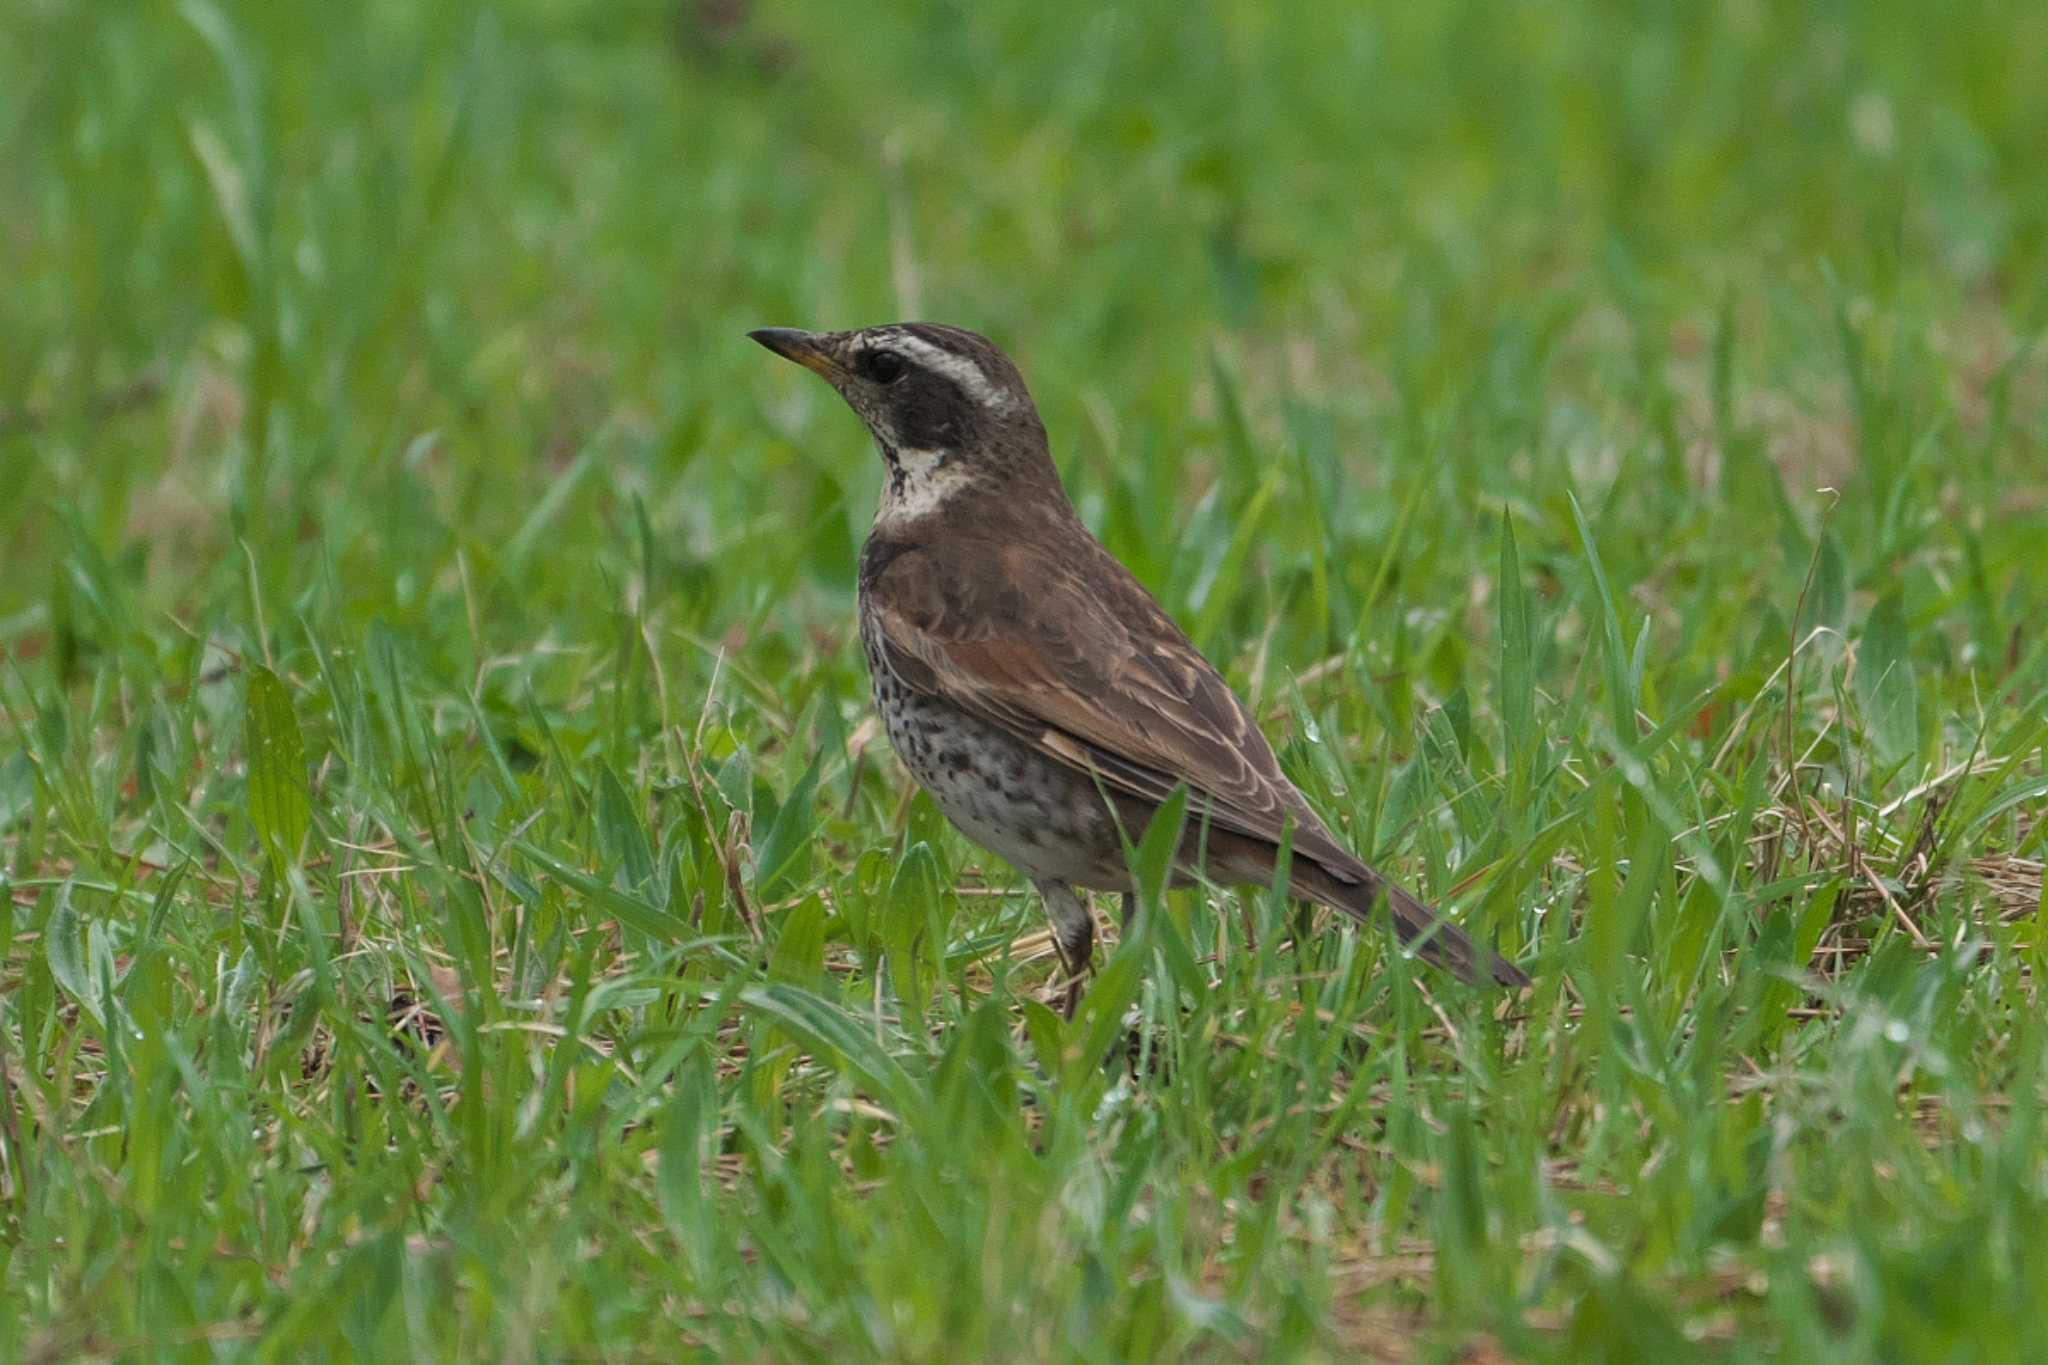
(454, 910)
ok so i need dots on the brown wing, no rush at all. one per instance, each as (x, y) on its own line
(1072, 655)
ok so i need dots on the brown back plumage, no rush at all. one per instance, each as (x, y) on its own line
(983, 590)
(1020, 616)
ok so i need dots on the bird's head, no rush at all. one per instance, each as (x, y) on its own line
(948, 410)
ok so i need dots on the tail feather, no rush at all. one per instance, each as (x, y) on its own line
(1434, 938)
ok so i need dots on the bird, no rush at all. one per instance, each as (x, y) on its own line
(1033, 686)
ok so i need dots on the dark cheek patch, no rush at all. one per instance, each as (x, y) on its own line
(932, 415)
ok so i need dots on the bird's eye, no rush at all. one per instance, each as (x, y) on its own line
(884, 367)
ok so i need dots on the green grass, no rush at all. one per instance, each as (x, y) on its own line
(454, 903)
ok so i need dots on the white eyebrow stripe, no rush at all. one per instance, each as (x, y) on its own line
(959, 368)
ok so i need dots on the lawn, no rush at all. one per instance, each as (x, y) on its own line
(455, 902)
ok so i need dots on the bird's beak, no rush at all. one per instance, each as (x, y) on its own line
(808, 349)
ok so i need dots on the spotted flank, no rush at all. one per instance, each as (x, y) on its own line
(1033, 686)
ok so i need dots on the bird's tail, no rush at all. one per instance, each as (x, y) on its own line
(1434, 938)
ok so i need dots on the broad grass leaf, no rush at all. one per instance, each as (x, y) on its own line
(621, 836)
(1048, 1035)
(243, 984)
(799, 953)
(64, 950)
(278, 806)
(1886, 681)
(1151, 862)
(823, 1027)
(630, 910)
(1407, 798)
(776, 855)
(912, 912)
(1517, 672)
(691, 1118)
(1621, 698)
(1830, 585)
(975, 1084)
(1099, 1022)
(1447, 767)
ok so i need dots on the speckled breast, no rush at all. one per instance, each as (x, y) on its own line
(1043, 817)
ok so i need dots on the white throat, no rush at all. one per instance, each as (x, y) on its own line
(918, 484)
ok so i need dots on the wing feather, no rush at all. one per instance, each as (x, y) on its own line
(1079, 661)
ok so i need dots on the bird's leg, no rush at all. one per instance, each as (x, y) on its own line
(1073, 936)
